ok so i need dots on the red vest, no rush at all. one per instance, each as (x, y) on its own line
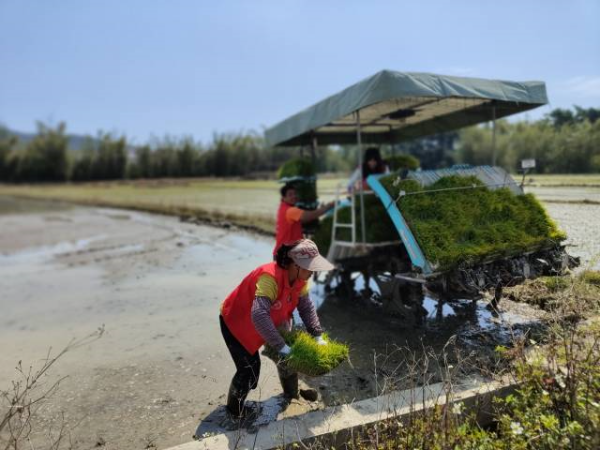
(286, 232)
(237, 306)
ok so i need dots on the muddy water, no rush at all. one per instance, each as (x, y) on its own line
(156, 284)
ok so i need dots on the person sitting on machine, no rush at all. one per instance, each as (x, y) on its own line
(372, 164)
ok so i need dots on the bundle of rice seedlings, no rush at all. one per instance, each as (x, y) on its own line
(301, 173)
(308, 357)
(297, 167)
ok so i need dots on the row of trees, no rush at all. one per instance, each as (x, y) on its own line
(47, 157)
(565, 141)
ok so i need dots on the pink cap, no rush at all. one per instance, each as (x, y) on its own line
(306, 255)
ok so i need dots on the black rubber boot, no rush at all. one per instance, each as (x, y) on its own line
(309, 394)
(235, 401)
(289, 383)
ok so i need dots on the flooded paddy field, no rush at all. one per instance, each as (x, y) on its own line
(156, 284)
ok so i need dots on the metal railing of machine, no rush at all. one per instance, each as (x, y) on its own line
(460, 188)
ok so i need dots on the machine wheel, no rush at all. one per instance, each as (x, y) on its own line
(344, 287)
(402, 299)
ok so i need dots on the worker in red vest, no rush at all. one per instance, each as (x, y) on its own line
(290, 218)
(261, 305)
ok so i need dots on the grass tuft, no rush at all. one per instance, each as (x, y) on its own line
(591, 277)
(572, 295)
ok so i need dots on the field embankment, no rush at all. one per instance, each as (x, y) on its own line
(248, 204)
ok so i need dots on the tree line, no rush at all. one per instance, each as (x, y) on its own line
(564, 141)
(48, 158)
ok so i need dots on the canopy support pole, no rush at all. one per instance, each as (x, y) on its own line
(313, 149)
(360, 166)
(493, 134)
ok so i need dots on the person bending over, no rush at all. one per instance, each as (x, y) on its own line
(263, 304)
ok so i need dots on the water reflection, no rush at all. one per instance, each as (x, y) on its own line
(467, 318)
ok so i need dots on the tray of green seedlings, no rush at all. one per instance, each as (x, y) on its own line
(455, 220)
(458, 219)
(309, 357)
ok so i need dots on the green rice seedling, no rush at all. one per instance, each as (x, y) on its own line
(310, 358)
(307, 356)
(471, 222)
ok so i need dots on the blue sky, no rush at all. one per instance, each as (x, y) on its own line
(150, 68)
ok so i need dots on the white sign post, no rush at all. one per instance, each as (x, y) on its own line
(526, 166)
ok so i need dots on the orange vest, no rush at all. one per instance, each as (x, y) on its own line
(236, 309)
(286, 232)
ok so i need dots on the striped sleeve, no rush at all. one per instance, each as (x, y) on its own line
(308, 314)
(261, 318)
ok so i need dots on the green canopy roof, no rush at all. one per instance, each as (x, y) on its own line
(396, 106)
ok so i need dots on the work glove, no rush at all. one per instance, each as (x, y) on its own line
(321, 340)
(285, 350)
